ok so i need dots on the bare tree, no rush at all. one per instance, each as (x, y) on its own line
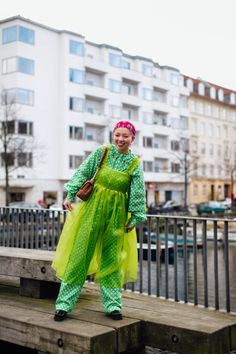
(16, 149)
(187, 165)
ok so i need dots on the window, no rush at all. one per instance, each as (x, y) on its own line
(77, 76)
(193, 106)
(115, 86)
(26, 35)
(195, 190)
(115, 111)
(194, 126)
(175, 123)
(183, 123)
(211, 149)
(9, 35)
(24, 159)
(8, 159)
(24, 96)
(203, 128)
(194, 147)
(175, 167)
(21, 96)
(25, 128)
(76, 104)
(147, 142)
(19, 64)
(147, 94)
(26, 66)
(15, 33)
(147, 70)
(10, 127)
(125, 64)
(204, 170)
(115, 60)
(219, 150)
(147, 118)
(75, 133)
(175, 101)
(204, 190)
(174, 144)
(200, 108)
(127, 113)
(225, 132)
(148, 166)
(218, 131)
(211, 130)
(212, 170)
(208, 109)
(203, 148)
(183, 101)
(127, 89)
(174, 79)
(77, 48)
(75, 161)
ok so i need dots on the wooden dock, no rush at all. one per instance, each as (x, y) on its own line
(181, 328)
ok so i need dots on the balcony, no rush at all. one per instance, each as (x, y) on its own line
(93, 90)
(131, 75)
(93, 116)
(160, 106)
(161, 129)
(161, 84)
(95, 65)
(130, 100)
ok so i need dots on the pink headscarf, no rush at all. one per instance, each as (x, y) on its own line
(126, 124)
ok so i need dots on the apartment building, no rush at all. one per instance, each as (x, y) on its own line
(69, 94)
(212, 129)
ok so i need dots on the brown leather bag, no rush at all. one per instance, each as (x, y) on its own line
(86, 189)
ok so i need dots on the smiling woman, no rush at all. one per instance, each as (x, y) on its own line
(99, 236)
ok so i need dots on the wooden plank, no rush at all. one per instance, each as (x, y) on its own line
(128, 331)
(31, 264)
(37, 330)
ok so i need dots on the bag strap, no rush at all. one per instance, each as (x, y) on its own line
(100, 163)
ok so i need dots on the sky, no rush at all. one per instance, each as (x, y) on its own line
(198, 37)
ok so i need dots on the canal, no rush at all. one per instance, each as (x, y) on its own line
(190, 276)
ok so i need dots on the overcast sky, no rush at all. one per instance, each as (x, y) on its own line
(196, 36)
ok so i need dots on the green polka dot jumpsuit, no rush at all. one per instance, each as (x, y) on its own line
(94, 239)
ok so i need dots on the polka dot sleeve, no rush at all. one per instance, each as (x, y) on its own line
(137, 197)
(84, 172)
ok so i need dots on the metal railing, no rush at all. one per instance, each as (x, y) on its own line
(182, 258)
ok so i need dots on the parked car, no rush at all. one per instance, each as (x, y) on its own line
(227, 203)
(29, 209)
(211, 207)
(55, 210)
(164, 207)
(25, 205)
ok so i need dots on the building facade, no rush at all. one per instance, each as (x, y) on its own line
(70, 92)
(212, 130)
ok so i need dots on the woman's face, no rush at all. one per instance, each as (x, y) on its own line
(123, 138)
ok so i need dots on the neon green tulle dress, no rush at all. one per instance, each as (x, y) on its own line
(94, 240)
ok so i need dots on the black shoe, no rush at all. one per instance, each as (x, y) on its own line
(116, 315)
(60, 315)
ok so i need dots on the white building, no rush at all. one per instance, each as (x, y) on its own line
(70, 93)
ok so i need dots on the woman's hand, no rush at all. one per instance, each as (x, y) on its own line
(68, 205)
(129, 228)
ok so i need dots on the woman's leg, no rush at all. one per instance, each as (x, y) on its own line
(111, 299)
(67, 297)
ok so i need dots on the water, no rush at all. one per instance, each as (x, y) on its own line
(200, 268)
(200, 277)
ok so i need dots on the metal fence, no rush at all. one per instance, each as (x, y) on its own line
(181, 258)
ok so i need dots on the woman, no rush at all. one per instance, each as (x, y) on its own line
(98, 236)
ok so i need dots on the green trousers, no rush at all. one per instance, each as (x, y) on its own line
(69, 294)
